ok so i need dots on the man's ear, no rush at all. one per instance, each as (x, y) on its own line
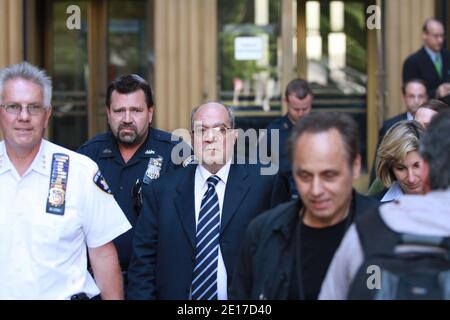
(425, 176)
(48, 113)
(356, 168)
(151, 111)
(108, 113)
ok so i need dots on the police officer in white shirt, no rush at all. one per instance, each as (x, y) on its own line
(55, 205)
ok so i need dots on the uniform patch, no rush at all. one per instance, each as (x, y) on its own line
(100, 181)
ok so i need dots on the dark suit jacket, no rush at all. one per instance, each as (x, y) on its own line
(387, 124)
(164, 242)
(419, 65)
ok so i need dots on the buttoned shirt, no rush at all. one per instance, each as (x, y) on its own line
(43, 255)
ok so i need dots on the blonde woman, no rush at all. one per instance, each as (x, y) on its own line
(398, 161)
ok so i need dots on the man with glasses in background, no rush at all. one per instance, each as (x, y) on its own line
(132, 154)
(192, 221)
(55, 204)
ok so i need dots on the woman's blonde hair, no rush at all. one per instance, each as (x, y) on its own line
(402, 138)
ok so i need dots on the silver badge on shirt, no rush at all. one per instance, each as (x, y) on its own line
(153, 169)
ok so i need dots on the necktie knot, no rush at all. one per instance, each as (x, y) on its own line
(437, 58)
(213, 180)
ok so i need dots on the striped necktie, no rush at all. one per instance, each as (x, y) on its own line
(204, 283)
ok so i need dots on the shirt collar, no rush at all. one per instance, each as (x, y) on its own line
(409, 116)
(393, 193)
(40, 163)
(431, 53)
(222, 173)
(111, 148)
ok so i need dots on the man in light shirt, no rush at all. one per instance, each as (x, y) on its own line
(55, 205)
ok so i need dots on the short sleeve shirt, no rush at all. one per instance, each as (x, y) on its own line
(43, 255)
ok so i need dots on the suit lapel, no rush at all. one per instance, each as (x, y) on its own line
(185, 204)
(236, 189)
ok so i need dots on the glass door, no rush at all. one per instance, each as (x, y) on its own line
(249, 60)
(114, 38)
(69, 70)
(336, 59)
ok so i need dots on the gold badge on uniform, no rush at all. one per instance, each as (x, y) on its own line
(56, 196)
(58, 184)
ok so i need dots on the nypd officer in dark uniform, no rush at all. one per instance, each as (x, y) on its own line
(299, 98)
(132, 154)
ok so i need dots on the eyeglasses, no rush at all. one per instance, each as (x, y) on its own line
(217, 131)
(16, 108)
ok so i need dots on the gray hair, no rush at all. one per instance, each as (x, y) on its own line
(231, 116)
(27, 71)
(435, 149)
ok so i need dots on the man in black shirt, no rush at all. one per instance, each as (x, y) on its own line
(287, 250)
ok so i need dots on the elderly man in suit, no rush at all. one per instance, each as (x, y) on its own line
(432, 62)
(193, 220)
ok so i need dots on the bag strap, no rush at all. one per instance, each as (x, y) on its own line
(375, 236)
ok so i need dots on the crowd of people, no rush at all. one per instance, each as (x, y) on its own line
(138, 213)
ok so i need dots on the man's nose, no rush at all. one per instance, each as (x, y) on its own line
(24, 115)
(127, 116)
(316, 187)
(209, 135)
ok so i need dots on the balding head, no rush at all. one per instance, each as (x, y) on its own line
(433, 34)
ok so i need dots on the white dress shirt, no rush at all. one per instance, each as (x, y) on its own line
(201, 175)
